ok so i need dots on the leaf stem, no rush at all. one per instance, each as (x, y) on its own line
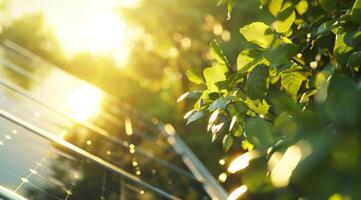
(302, 65)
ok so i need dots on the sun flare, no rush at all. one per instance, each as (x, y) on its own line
(105, 30)
(103, 34)
(82, 26)
(84, 102)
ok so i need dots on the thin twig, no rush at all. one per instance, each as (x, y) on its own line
(302, 65)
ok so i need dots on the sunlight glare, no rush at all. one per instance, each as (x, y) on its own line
(242, 161)
(238, 192)
(84, 102)
(129, 3)
(128, 126)
(104, 30)
(82, 26)
(222, 177)
(11, 193)
(103, 34)
(283, 165)
(282, 171)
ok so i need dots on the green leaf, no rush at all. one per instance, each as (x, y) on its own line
(302, 7)
(356, 11)
(258, 133)
(354, 59)
(246, 145)
(238, 132)
(307, 95)
(220, 103)
(241, 107)
(262, 107)
(322, 92)
(216, 129)
(212, 76)
(353, 38)
(341, 50)
(214, 95)
(292, 81)
(320, 79)
(190, 95)
(285, 20)
(222, 67)
(285, 125)
(282, 54)
(257, 83)
(227, 142)
(257, 106)
(258, 33)
(194, 77)
(217, 53)
(237, 108)
(245, 57)
(189, 113)
(258, 60)
(233, 122)
(195, 116)
(264, 2)
(274, 6)
(326, 27)
(212, 119)
(224, 84)
(328, 5)
(199, 104)
(230, 7)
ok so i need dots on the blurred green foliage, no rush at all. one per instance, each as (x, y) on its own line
(175, 42)
(32, 33)
(292, 99)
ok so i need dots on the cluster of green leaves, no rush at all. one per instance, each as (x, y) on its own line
(300, 82)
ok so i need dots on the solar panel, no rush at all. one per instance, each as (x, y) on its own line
(37, 169)
(63, 138)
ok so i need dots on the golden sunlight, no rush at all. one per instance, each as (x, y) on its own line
(242, 161)
(84, 102)
(129, 3)
(104, 34)
(281, 165)
(81, 26)
(128, 126)
(282, 171)
(237, 193)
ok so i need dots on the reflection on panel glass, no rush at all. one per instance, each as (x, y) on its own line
(35, 168)
(84, 117)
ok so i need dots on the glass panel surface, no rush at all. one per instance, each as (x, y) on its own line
(84, 116)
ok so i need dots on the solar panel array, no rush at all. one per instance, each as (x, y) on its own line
(62, 138)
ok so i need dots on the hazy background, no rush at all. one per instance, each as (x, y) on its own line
(137, 50)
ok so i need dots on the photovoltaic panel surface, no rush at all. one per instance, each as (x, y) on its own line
(62, 138)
